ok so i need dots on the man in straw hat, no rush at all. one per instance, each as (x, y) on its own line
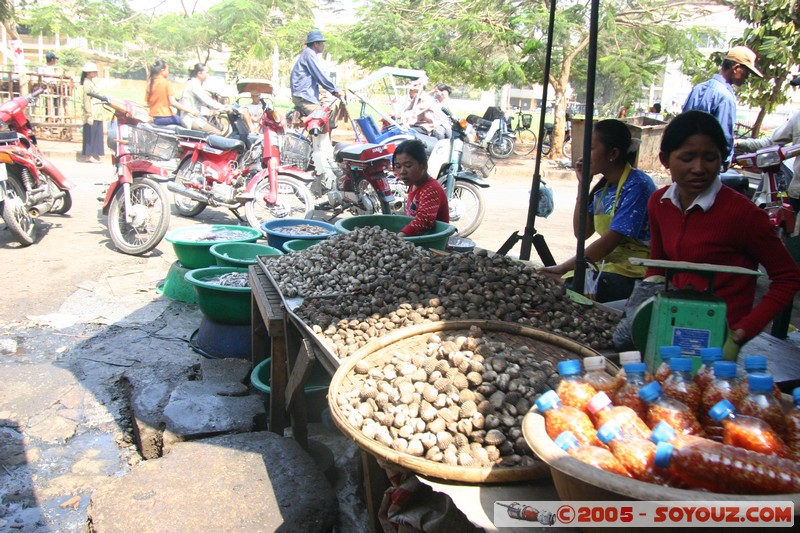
(716, 95)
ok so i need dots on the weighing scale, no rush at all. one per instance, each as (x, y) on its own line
(688, 318)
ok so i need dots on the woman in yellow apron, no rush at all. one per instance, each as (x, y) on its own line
(617, 212)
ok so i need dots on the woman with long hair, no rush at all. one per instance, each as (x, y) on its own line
(93, 147)
(160, 97)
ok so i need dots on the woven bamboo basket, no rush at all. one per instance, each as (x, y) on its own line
(415, 338)
(575, 481)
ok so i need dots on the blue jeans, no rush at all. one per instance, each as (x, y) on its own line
(167, 121)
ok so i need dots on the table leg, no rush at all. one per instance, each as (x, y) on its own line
(375, 484)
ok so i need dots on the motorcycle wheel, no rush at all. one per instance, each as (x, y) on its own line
(20, 223)
(501, 147)
(567, 149)
(222, 123)
(63, 204)
(184, 205)
(150, 217)
(379, 203)
(294, 201)
(548, 139)
(525, 143)
(466, 207)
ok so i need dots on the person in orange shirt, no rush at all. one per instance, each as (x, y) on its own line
(160, 97)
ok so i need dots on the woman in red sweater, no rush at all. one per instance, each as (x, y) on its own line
(427, 201)
(698, 219)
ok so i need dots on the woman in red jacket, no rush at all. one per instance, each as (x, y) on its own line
(427, 201)
(698, 219)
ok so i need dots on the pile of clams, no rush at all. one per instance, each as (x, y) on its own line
(459, 401)
(366, 283)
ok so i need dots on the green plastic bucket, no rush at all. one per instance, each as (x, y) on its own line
(436, 240)
(192, 244)
(315, 391)
(226, 305)
(295, 245)
(240, 254)
(175, 287)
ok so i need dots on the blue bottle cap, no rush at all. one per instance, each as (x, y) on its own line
(724, 369)
(796, 394)
(680, 364)
(566, 441)
(663, 454)
(755, 363)
(636, 368)
(650, 392)
(708, 355)
(668, 352)
(568, 368)
(608, 432)
(547, 401)
(663, 432)
(722, 409)
(759, 382)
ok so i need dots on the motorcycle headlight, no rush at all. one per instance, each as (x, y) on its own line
(768, 159)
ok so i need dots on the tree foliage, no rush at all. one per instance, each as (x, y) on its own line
(491, 42)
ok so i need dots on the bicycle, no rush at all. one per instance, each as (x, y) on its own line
(525, 139)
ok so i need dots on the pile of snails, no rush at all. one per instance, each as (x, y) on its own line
(458, 401)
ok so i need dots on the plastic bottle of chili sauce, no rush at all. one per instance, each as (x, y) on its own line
(680, 385)
(706, 371)
(573, 390)
(747, 432)
(628, 393)
(559, 418)
(601, 411)
(673, 412)
(635, 454)
(722, 387)
(666, 353)
(793, 424)
(761, 403)
(720, 468)
(591, 455)
(597, 376)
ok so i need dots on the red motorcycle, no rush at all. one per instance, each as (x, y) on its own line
(354, 177)
(136, 204)
(238, 171)
(775, 175)
(33, 184)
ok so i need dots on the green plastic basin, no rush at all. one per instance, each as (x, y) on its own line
(436, 240)
(240, 254)
(315, 391)
(295, 245)
(193, 244)
(226, 305)
(175, 286)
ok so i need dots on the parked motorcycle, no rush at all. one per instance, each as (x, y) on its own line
(445, 161)
(238, 172)
(136, 203)
(492, 133)
(772, 163)
(19, 221)
(32, 178)
(354, 177)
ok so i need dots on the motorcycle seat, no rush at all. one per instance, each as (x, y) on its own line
(735, 181)
(161, 130)
(9, 136)
(224, 143)
(190, 134)
(479, 122)
(355, 152)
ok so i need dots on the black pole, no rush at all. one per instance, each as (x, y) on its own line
(530, 236)
(580, 260)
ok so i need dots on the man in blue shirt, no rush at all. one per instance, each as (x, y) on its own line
(716, 95)
(307, 75)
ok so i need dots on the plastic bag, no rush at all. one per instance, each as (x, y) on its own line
(546, 203)
(642, 290)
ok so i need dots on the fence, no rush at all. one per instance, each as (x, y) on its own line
(56, 114)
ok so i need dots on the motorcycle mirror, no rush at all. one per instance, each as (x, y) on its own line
(795, 81)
